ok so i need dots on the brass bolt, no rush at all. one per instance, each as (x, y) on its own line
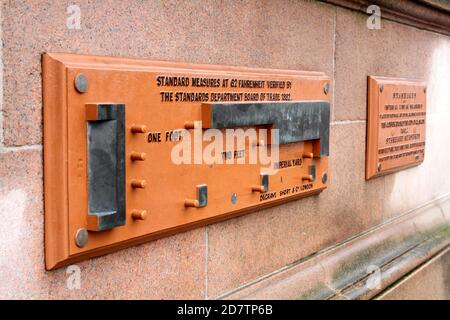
(139, 214)
(191, 203)
(258, 189)
(138, 128)
(138, 156)
(141, 184)
(192, 125)
(309, 155)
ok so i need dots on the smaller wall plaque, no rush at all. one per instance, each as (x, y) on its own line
(395, 124)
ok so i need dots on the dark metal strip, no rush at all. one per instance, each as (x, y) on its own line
(296, 121)
(106, 166)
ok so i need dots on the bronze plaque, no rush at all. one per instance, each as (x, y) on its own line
(395, 124)
(135, 150)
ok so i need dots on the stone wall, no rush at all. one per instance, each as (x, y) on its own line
(210, 261)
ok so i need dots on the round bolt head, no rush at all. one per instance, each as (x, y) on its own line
(233, 198)
(81, 237)
(326, 88)
(81, 83)
(324, 178)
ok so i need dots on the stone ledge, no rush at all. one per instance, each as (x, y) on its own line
(431, 15)
(430, 281)
(342, 272)
(397, 268)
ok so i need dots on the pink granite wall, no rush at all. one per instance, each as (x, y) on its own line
(210, 261)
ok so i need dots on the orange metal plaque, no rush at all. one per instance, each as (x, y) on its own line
(395, 124)
(114, 128)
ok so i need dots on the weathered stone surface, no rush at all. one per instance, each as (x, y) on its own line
(252, 33)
